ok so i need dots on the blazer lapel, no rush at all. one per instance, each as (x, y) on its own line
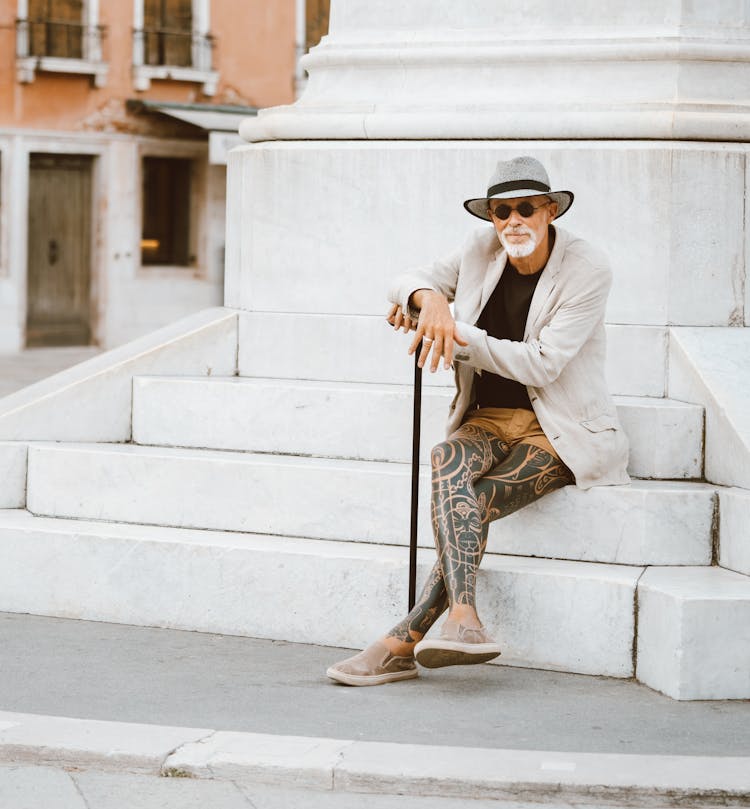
(491, 278)
(546, 283)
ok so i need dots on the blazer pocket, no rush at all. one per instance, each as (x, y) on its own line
(601, 423)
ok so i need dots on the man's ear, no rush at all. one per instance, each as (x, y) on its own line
(552, 208)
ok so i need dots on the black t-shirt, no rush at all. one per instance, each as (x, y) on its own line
(504, 316)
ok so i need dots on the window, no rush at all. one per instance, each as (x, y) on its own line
(55, 28)
(60, 36)
(165, 231)
(167, 32)
(172, 40)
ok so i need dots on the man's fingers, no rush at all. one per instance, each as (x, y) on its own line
(407, 324)
(424, 353)
(437, 351)
(417, 337)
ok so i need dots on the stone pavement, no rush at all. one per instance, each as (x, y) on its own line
(187, 680)
(32, 364)
(23, 787)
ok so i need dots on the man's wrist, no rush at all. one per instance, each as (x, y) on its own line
(417, 298)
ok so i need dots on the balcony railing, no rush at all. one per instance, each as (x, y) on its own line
(163, 47)
(57, 39)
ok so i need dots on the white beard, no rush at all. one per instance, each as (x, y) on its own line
(520, 250)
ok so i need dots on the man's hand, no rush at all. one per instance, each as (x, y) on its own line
(436, 328)
(400, 319)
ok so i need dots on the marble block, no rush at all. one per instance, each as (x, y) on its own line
(636, 360)
(647, 522)
(711, 367)
(92, 401)
(694, 632)
(347, 348)
(666, 437)
(734, 530)
(634, 199)
(204, 580)
(391, 70)
(368, 421)
(12, 474)
(523, 600)
(297, 417)
(234, 491)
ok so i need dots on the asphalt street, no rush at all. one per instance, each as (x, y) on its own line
(115, 672)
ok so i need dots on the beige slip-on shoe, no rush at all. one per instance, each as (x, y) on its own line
(457, 645)
(374, 665)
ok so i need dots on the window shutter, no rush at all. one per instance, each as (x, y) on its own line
(168, 32)
(56, 28)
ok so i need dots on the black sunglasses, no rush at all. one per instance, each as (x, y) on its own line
(525, 209)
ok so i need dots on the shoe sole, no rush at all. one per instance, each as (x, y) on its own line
(434, 654)
(371, 679)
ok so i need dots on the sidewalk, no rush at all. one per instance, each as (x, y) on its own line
(32, 364)
(51, 788)
(454, 732)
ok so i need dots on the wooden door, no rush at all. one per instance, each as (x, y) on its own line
(59, 256)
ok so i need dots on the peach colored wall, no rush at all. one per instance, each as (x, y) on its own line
(254, 55)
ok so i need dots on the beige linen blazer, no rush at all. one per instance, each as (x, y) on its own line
(561, 358)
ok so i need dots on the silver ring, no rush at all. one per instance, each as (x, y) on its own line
(427, 340)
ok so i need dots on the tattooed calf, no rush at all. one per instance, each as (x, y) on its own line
(476, 479)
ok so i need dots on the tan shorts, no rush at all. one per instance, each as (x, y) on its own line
(511, 425)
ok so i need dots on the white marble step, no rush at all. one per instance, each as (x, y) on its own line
(367, 421)
(329, 593)
(364, 348)
(694, 632)
(13, 463)
(734, 549)
(647, 522)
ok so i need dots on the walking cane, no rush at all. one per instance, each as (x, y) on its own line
(416, 429)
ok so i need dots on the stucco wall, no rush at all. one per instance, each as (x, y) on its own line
(254, 56)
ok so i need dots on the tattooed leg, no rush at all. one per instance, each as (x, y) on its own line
(456, 514)
(525, 475)
(457, 462)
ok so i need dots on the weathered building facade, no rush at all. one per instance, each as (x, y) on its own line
(115, 119)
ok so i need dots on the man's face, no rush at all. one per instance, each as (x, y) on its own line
(522, 231)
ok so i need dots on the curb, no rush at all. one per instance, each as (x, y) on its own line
(372, 767)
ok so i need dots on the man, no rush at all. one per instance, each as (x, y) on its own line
(531, 413)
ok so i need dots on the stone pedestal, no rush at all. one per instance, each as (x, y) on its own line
(675, 69)
(641, 109)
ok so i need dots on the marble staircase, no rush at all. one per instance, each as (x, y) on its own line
(237, 495)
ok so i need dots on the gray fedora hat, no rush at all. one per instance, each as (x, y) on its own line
(519, 177)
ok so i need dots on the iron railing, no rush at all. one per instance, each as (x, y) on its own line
(59, 39)
(172, 48)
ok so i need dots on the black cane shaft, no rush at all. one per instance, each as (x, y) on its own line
(417, 426)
